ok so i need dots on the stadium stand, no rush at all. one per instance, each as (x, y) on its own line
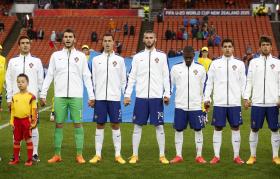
(243, 30)
(212, 4)
(83, 27)
(8, 22)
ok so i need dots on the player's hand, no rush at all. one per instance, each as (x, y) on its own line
(9, 104)
(166, 100)
(33, 123)
(91, 103)
(278, 104)
(126, 101)
(32, 126)
(247, 103)
(43, 101)
(207, 106)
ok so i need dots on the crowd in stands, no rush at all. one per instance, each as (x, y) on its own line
(85, 4)
(200, 30)
(31, 31)
(56, 36)
(191, 4)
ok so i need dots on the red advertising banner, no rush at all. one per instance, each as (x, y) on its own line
(86, 12)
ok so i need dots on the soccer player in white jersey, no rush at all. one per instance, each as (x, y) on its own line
(188, 77)
(227, 79)
(33, 68)
(263, 88)
(109, 81)
(150, 74)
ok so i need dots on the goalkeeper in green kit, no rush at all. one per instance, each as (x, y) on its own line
(68, 68)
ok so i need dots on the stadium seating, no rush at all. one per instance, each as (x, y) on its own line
(8, 22)
(212, 4)
(244, 30)
(83, 27)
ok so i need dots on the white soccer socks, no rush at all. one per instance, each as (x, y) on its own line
(217, 142)
(117, 139)
(275, 142)
(99, 137)
(235, 140)
(198, 137)
(179, 138)
(160, 139)
(253, 141)
(35, 140)
(136, 138)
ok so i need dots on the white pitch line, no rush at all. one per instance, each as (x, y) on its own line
(41, 110)
(4, 125)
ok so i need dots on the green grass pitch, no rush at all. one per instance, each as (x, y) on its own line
(149, 166)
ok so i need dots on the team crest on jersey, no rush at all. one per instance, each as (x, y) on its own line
(76, 59)
(195, 72)
(234, 67)
(272, 66)
(156, 60)
(31, 65)
(115, 63)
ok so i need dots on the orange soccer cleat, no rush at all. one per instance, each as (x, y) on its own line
(176, 159)
(80, 159)
(238, 160)
(14, 162)
(215, 160)
(200, 159)
(55, 159)
(28, 163)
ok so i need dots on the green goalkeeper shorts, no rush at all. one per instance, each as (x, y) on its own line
(63, 104)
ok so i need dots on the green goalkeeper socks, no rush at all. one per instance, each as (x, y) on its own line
(58, 137)
(79, 137)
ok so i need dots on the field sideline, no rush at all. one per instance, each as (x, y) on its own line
(149, 166)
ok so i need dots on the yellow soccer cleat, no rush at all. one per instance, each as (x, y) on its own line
(133, 159)
(163, 160)
(276, 160)
(95, 159)
(120, 160)
(251, 160)
(80, 159)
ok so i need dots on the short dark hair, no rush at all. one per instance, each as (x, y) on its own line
(69, 31)
(227, 40)
(108, 35)
(188, 49)
(149, 32)
(265, 39)
(23, 37)
(24, 76)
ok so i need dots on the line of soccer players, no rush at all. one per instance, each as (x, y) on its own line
(193, 88)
